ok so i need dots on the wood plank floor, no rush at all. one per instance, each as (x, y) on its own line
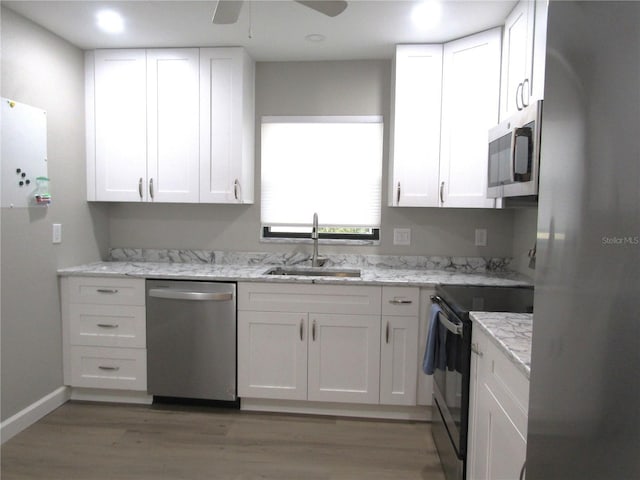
(117, 442)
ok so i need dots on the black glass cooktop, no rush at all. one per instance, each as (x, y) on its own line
(479, 298)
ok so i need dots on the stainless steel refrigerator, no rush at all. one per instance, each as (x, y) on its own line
(584, 417)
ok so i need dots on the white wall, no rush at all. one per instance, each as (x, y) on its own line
(525, 229)
(42, 70)
(312, 88)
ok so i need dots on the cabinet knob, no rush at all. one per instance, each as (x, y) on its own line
(387, 333)
(301, 329)
(313, 331)
(151, 193)
(519, 97)
(140, 188)
(442, 192)
(398, 195)
(525, 84)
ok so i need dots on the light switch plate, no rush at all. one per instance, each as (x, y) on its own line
(402, 236)
(57, 233)
(481, 237)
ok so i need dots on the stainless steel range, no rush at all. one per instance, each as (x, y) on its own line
(449, 349)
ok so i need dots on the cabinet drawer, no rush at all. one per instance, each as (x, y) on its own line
(114, 368)
(107, 325)
(106, 291)
(359, 300)
(400, 301)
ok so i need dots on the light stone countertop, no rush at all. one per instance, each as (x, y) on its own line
(256, 273)
(511, 332)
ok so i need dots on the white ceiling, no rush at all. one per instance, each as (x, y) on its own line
(365, 30)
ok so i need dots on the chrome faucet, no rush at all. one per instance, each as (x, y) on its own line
(315, 261)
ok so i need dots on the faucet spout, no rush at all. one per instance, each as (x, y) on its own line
(314, 236)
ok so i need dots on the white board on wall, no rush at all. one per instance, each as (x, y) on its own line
(24, 152)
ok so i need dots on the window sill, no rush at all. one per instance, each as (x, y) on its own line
(322, 241)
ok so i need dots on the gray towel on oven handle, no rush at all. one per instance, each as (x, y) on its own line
(431, 351)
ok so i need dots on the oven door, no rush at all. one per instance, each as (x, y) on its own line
(448, 382)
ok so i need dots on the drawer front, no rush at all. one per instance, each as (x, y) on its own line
(401, 301)
(107, 291)
(107, 325)
(286, 297)
(114, 368)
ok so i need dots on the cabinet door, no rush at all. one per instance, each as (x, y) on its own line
(504, 448)
(517, 58)
(470, 99)
(398, 360)
(119, 127)
(226, 126)
(344, 358)
(272, 355)
(173, 125)
(415, 134)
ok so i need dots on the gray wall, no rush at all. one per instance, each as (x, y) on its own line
(44, 71)
(312, 88)
(525, 231)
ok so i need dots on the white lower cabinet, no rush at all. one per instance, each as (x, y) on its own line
(104, 333)
(498, 408)
(325, 343)
(344, 358)
(272, 355)
(399, 345)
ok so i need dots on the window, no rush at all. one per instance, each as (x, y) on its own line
(329, 165)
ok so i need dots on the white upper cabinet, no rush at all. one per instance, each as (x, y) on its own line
(445, 100)
(517, 58)
(116, 125)
(172, 125)
(470, 98)
(415, 126)
(227, 124)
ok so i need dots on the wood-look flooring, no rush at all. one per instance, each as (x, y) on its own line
(95, 441)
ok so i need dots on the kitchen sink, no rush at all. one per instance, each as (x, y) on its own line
(313, 272)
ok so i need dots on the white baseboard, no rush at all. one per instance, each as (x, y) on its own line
(110, 396)
(413, 413)
(34, 412)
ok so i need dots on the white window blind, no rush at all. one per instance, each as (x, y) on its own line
(329, 165)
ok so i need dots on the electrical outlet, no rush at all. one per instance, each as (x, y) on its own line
(57, 233)
(481, 237)
(402, 236)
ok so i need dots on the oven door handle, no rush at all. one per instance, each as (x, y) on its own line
(454, 328)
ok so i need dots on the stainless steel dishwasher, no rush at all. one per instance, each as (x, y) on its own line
(191, 340)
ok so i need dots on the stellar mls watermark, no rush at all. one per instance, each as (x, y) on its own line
(621, 241)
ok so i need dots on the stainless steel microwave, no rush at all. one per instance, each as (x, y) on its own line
(514, 154)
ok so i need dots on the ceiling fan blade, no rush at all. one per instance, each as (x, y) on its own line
(226, 12)
(331, 8)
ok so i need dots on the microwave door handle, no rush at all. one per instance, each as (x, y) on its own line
(520, 132)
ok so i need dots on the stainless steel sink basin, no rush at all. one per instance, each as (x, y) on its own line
(313, 272)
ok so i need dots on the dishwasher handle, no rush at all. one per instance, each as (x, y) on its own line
(187, 295)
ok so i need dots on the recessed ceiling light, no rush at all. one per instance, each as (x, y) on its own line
(110, 21)
(426, 14)
(315, 37)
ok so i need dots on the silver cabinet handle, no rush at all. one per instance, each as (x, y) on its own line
(140, 188)
(442, 192)
(387, 333)
(186, 295)
(398, 196)
(518, 107)
(105, 367)
(301, 329)
(110, 291)
(236, 189)
(108, 325)
(475, 349)
(151, 194)
(400, 301)
(525, 82)
(313, 331)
